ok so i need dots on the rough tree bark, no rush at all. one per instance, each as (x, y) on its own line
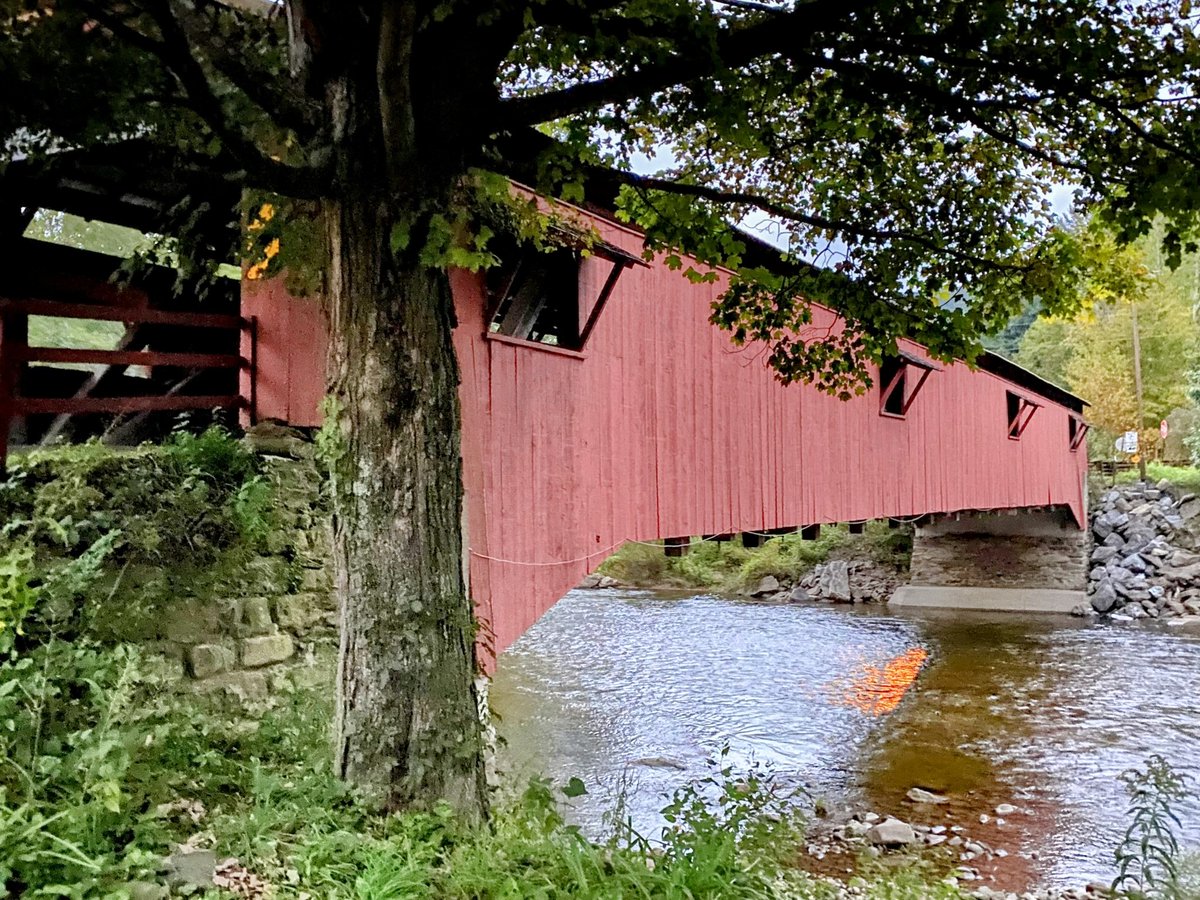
(407, 728)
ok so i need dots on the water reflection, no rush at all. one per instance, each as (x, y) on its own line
(632, 692)
(877, 690)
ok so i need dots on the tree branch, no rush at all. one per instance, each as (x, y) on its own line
(285, 105)
(787, 32)
(774, 208)
(176, 52)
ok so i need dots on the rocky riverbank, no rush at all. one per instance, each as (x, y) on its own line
(836, 581)
(967, 860)
(1144, 561)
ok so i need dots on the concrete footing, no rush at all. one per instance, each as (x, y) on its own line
(1024, 600)
(1025, 561)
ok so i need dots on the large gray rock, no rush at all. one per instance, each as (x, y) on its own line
(299, 612)
(270, 648)
(1134, 563)
(1103, 554)
(1184, 574)
(1189, 508)
(1104, 598)
(798, 595)
(1101, 529)
(1114, 540)
(768, 584)
(1117, 520)
(835, 580)
(891, 833)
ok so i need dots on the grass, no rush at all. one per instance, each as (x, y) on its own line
(1186, 478)
(730, 567)
(264, 793)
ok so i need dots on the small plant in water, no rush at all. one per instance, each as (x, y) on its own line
(1148, 856)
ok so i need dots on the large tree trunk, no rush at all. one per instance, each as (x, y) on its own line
(407, 726)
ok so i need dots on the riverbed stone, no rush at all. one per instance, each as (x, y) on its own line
(920, 795)
(891, 832)
(798, 595)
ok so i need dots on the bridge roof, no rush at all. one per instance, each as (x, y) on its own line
(1009, 370)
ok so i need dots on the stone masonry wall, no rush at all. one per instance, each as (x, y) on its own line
(1054, 558)
(279, 606)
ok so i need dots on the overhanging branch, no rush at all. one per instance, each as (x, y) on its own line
(176, 53)
(736, 47)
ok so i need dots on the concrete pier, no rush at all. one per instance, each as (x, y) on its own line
(1032, 561)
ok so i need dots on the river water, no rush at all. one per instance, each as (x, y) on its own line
(633, 692)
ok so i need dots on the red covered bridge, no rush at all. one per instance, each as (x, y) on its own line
(600, 405)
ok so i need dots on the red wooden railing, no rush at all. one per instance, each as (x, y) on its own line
(16, 354)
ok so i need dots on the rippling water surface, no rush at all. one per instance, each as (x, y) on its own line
(632, 692)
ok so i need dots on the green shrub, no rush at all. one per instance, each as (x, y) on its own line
(186, 500)
(728, 566)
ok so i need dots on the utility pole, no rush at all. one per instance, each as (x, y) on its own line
(1137, 388)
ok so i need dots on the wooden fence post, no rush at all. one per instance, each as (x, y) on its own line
(14, 338)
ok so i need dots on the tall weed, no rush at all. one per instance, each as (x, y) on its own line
(1148, 856)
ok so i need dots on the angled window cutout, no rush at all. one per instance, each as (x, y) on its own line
(898, 386)
(536, 296)
(1020, 411)
(1077, 430)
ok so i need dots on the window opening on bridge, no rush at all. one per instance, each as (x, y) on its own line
(539, 296)
(896, 397)
(1020, 412)
(1077, 430)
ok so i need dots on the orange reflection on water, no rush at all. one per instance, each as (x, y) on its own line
(877, 690)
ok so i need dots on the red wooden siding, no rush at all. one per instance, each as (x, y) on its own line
(662, 428)
(290, 355)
